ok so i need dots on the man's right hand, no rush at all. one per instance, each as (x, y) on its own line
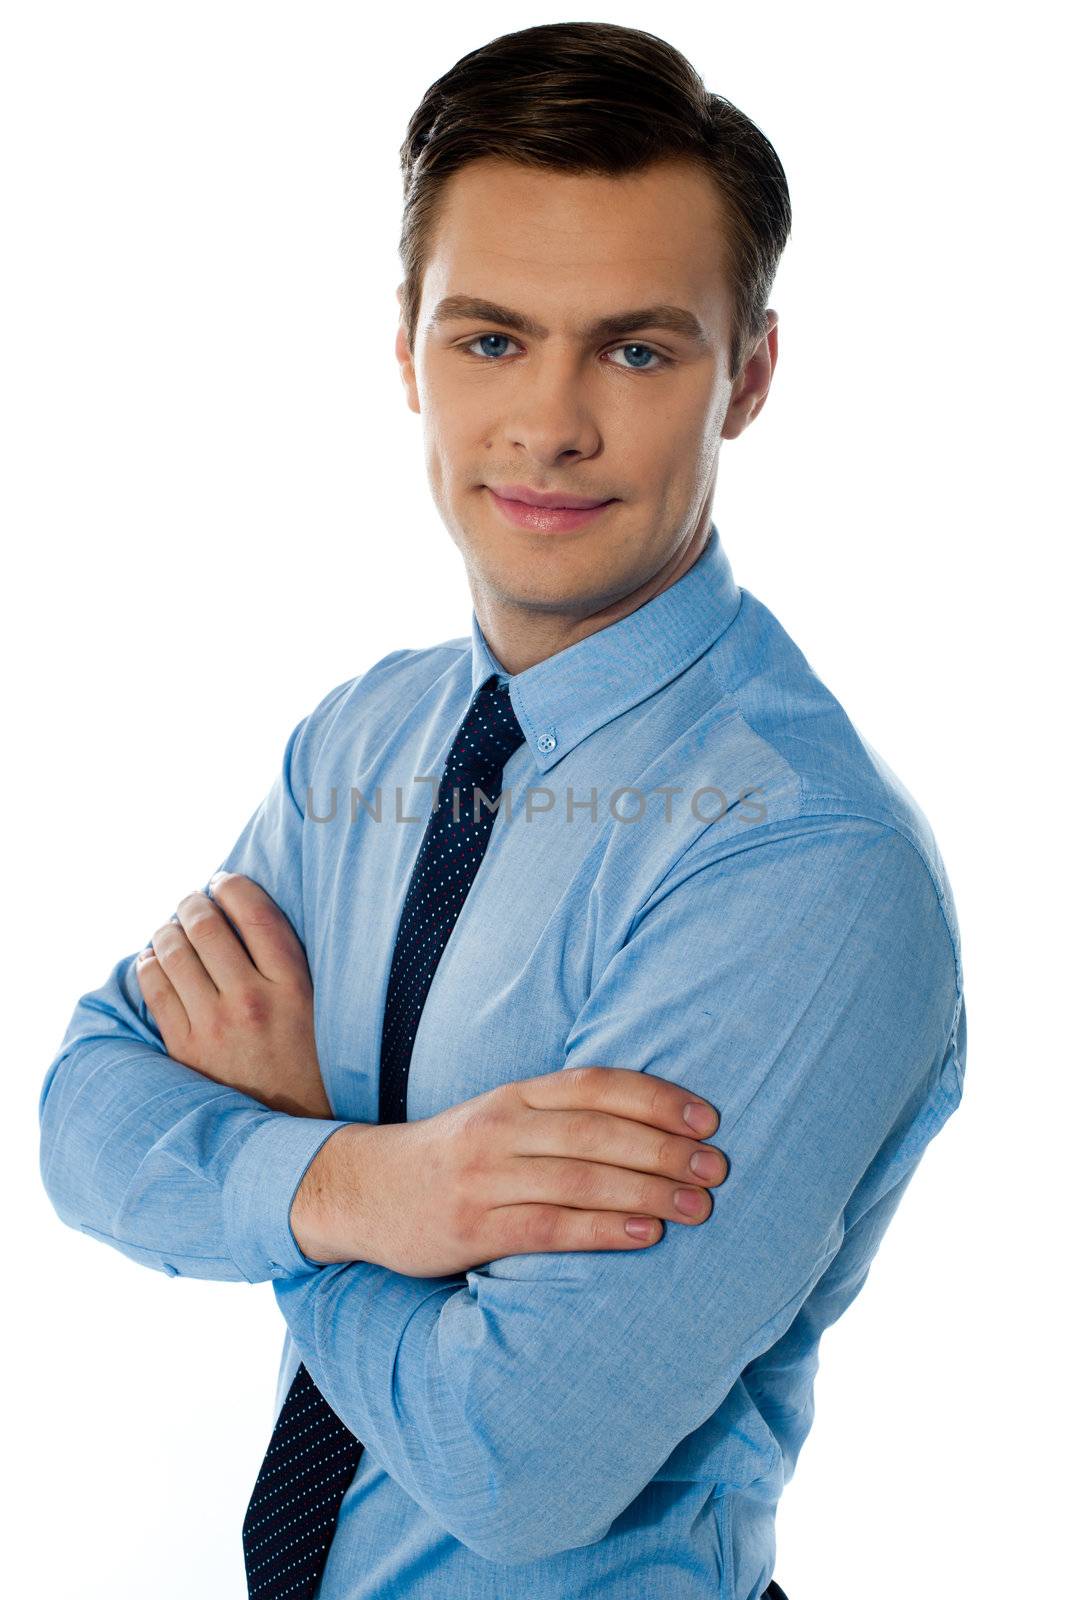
(555, 1163)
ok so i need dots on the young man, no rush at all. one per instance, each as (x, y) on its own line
(656, 850)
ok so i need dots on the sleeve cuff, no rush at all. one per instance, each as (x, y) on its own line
(260, 1188)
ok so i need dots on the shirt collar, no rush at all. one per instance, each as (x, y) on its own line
(568, 696)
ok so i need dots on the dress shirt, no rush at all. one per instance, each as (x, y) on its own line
(699, 869)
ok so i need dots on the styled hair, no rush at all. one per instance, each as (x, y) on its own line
(596, 98)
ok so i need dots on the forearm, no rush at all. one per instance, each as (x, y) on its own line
(460, 1383)
(488, 1395)
(180, 1173)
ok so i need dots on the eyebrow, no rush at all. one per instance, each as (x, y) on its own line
(673, 319)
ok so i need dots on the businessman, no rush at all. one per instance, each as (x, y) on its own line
(425, 1053)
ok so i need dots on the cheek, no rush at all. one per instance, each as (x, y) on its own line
(684, 442)
(435, 450)
(654, 462)
(453, 435)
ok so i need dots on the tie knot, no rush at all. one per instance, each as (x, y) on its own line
(488, 737)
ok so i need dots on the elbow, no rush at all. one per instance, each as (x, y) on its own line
(59, 1157)
(510, 1543)
(54, 1150)
(49, 1164)
(525, 1492)
(509, 1548)
(523, 1520)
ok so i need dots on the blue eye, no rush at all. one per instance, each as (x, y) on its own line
(500, 337)
(468, 348)
(646, 350)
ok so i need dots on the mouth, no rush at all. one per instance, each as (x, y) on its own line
(553, 518)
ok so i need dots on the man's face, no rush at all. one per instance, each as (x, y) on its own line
(635, 417)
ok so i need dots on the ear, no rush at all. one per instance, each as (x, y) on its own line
(406, 360)
(751, 388)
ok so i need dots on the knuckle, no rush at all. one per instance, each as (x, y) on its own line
(665, 1153)
(592, 1231)
(602, 1230)
(661, 1097)
(520, 1228)
(471, 1157)
(483, 1120)
(252, 1007)
(581, 1130)
(261, 915)
(590, 1081)
(580, 1182)
(543, 1228)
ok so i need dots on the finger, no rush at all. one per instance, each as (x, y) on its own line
(589, 1186)
(209, 931)
(620, 1144)
(534, 1229)
(184, 968)
(641, 1096)
(270, 937)
(162, 1000)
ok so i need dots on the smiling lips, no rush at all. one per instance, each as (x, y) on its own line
(546, 513)
(554, 502)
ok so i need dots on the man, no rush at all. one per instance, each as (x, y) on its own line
(656, 849)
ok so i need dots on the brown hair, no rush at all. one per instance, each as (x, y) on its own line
(593, 97)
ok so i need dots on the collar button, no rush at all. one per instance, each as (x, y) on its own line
(546, 742)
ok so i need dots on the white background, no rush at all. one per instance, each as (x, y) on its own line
(216, 509)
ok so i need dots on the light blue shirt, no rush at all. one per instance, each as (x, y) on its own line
(757, 911)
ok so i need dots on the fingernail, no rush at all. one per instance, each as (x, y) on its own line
(217, 879)
(705, 1164)
(699, 1117)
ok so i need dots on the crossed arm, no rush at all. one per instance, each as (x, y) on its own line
(824, 1031)
(179, 1172)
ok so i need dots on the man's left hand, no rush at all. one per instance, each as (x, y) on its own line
(239, 1013)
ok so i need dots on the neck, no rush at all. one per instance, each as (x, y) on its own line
(519, 637)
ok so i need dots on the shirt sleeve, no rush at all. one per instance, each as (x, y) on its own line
(805, 981)
(176, 1171)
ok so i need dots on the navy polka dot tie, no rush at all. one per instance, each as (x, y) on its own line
(312, 1457)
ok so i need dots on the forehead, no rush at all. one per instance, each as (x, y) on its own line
(506, 230)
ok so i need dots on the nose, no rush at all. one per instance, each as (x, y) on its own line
(550, 415)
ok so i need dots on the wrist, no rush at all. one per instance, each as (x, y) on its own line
(326, 1206)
